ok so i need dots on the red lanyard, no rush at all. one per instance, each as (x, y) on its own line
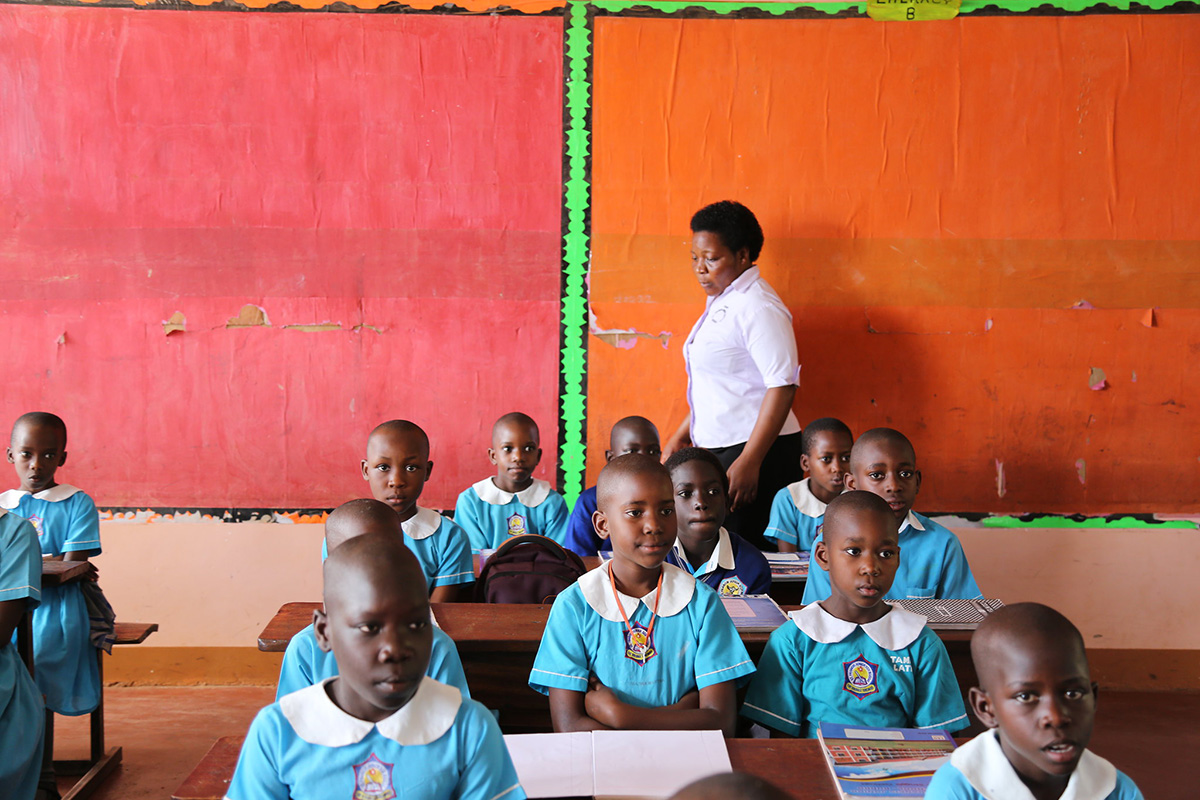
(621, 607)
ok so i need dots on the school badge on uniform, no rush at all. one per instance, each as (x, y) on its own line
(732, 587)
(36, 522)
(639, 645)
(517, 526)
(860, 677)
(373, 780)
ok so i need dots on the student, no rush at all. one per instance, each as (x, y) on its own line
(798, 508)
(305, 663)
(396, 467)
(629, 435)
(852, 659)
(382, 720)
(513, 502)
(68, 671)
(636, 643)
(22, 715)
(723, 560)
(1036, 695)
(883, 462)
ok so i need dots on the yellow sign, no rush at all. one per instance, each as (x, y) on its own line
(912, 10)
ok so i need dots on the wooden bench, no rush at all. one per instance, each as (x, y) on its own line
(100, 762)
(794, 765)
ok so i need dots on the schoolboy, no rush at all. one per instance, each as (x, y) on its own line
(798, 508)
(636, 643)
(852, 659)
(382, 726)
(305, 663)
(629, 435)
(68, 529)
(723, 560)
(22, 714)
(884, 462)
(396, 467)
(513, 502)
(1036, 695)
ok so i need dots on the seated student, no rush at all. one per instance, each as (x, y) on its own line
(397, 466)
(22, 715)
(68, 672)
(306, 663)
(629, 435)
(1036, 694)
(883, 462)
(513, 502)
(382, 726)
(852, 659)
(636, 643)
(798, 508)
(723, 560)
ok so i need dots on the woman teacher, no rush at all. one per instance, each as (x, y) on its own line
(742, 369)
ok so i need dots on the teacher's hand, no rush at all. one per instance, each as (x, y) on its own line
(743, 481)
(681, 438)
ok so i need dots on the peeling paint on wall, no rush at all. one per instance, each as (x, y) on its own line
(251, 316)
(176, 324)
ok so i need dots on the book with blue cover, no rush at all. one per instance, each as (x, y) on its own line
(883, 762)
(754, 613)
(788, 567)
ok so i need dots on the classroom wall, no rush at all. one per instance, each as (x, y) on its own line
(986, 230)
(231, 244)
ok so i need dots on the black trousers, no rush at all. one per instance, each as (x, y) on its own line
(780, 467)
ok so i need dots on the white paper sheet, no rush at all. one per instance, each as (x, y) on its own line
(553, 764)
(630, 765)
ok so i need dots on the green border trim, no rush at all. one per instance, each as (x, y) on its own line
(1078, 521)
(577, 201)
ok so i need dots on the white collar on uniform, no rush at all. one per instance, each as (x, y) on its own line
(677, 590)
(531, 496)
(722, 555)
(911, 520)
(806, 502)
(983, 763)
(895, 630)
(422, 525)
(54, 494)
(424, 719)
(741, 283)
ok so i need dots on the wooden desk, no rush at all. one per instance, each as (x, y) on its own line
(497, 644)
(56, 573)
(794, 765)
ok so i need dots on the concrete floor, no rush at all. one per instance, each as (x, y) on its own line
(165, 732)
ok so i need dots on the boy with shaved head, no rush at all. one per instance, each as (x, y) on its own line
(852, 659)
(629, 435)
(1036, 695)
(884, 462)
(396, 467)
(636, 643)
(381, 727)
(512, 502)
(306, 662)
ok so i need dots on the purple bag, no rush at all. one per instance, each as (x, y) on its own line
(527, 569)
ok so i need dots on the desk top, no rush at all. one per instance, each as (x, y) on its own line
(479, 627)
(794, 765)
(56, 573)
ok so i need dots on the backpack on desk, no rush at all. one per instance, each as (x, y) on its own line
(527, 569)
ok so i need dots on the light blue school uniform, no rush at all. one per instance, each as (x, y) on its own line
(440, 546)
(305, 663)
(68, 672)
(891, 673)
(694, 641)
(979, 770)
(490, 515)
(932, 564)
(439, 746)
(796, 516)
(22, 715)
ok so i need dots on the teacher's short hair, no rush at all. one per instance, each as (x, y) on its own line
(734, 223)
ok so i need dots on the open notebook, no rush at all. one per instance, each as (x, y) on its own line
(621, 765)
